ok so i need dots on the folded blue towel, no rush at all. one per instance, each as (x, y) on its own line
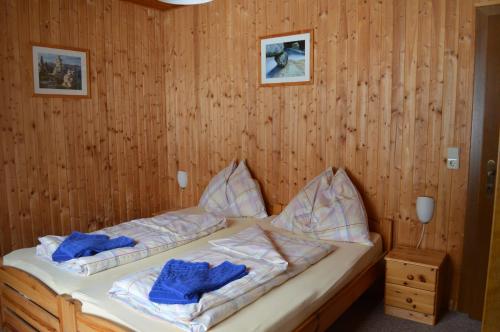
(82, 245)
(184, 282)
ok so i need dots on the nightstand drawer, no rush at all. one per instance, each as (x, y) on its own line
(409, 314)
(410, 298)
(412, 275)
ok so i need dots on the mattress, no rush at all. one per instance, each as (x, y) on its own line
(65, 282)
(282, 309)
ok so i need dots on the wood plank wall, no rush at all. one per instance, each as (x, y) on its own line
(392, 90)
(178, 90)
(80, 163)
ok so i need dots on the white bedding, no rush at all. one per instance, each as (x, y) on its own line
(271, 259)
(281, 309)
(152, 236)
(65, 282)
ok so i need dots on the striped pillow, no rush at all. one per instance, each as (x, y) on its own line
(336, 212)
(234, 193)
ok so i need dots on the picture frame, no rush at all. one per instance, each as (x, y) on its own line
(60, 71)
(287, 58)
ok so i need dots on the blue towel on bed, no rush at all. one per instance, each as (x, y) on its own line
(82, 245)
(183, 282)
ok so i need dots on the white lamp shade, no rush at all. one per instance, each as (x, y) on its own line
(182, 179)
(425, 209)
(185, 2)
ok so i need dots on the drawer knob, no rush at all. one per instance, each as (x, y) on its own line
(410, 277)
(421, 278)
(409, 300)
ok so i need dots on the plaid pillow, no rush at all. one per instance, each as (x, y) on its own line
(214, 198)
(234, 193)
(297, 215)
(327, 210)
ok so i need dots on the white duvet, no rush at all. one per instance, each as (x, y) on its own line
(271, 259)
(152, 235)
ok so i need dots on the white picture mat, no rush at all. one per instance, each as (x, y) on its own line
(70, 92)
(284, 39)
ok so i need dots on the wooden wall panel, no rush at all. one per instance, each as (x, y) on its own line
(392, 90)
(81, 164)
(179, 90)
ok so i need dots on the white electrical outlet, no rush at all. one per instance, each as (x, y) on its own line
(452, 164)
(453, 160)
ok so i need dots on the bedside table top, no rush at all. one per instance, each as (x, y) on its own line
(425, 257)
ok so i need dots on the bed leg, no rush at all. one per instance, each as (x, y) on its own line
(67, 310)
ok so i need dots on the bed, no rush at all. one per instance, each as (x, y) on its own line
(42, 303)
(34, 292)
(90, 309)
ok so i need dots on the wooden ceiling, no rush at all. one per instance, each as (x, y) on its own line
(153, 4)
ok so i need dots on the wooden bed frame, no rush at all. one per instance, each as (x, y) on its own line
(27, 304)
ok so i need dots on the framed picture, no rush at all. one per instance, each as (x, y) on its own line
(60, 72)
(286, 58)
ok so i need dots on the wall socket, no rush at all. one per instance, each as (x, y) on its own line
(453, 160)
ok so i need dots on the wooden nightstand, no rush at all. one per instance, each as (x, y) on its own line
(413, 280)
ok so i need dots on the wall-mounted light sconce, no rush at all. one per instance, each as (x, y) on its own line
(425, 210)
(182, 179)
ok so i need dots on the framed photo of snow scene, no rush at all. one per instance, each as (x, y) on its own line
(286, 59)
(60, 72)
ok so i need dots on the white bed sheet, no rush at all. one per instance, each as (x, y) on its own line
(282, 309)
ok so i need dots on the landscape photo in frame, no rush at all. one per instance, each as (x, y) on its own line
(60, 71)
(286, 58)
